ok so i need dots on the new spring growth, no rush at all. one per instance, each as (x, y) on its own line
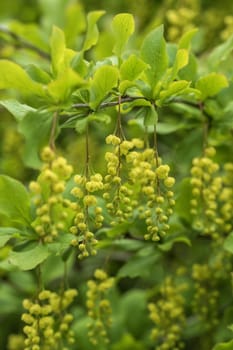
(47, 320)
(99, 307)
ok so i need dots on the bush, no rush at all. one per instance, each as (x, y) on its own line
(116, 205)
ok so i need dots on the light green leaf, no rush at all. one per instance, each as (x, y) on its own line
(181, 60)
(37, 74)
(17, 109)
(14, 200)
(4, 239)
(29, 259)
(228, 243)
(123, 28)
(75, 22)
(186, 38)
(150, 116)
(35, 127)
(12, 76)
(224, 346)
(61, 88)
(58, 45)
(100, 117)
(81, 124)
(92, 34)
(211, 84)
(6, 233)
(153, 52)
(31, 32)
(131, 68)
(220, 53)
(174, 89)
(104, 80)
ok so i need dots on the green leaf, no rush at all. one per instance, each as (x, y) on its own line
(61, 88)
(81, 124)
(104, 80)
(17, 109)
(153, 52)
(100, 117)
(14, 200)
(211, 84)
(35, 127)
(220, 53)
(123, 28)
(228, 243)
(181, 60)
(224, 346)
(6, 233)
(92, 34)
(138, 266)
(165, 247)
(75, 22)
(150, 115)
(29, 259)
(186, 38)
(37, 74)
(12, 76)
(131, 68)
(175, 88)
(58, 45)
(168, 128)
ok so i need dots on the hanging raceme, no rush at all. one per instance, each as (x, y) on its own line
(47, 321)
(99, 307)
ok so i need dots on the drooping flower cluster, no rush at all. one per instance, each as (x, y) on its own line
(89, 214)
(47, 322)
(99, 308)
(211, 203)
(167, 315)
(52, 210)
(135, 176)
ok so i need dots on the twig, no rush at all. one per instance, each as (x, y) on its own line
(111, 103)
(23, 43)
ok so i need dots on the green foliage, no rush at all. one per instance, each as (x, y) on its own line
(14, 200)
(128, 198)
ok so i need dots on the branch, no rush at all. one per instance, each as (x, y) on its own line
(111, 103)
(23, 43)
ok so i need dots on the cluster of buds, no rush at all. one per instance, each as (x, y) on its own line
(167, 315)
(154, 186)
(119, 194)
(51, 208)
(47, 321)
(89, 214)
(99, 308)
(211, 203)
(206, 295)
(135, 175)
